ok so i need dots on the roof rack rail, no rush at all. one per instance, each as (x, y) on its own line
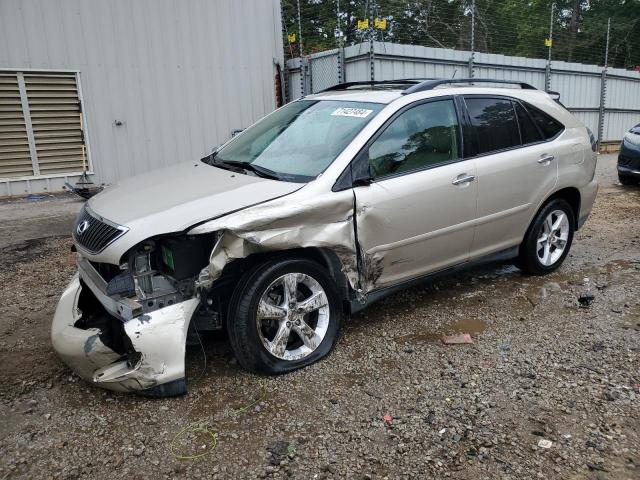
(431, 84)
(373, 83)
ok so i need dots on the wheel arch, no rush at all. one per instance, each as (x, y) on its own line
(569, 194)
(572, 196)
(325, 257)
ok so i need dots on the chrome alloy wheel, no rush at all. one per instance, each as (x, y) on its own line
(553, 237)
(293, 316)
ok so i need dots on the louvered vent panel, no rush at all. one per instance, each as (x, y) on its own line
(57, 122)
(15, 158)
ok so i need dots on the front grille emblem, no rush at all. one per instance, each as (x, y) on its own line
(82, 227)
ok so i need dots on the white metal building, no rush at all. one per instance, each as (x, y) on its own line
(125, 86)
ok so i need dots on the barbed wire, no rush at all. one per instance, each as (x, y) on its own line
(520, 29)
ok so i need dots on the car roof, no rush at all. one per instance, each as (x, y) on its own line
(390, 93)
(387, 94)
(386, 91)
(359, 95)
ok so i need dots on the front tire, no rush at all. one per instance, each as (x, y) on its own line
(548, 239)
(284, 315)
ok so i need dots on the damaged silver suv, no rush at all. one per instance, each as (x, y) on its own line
(316, 211)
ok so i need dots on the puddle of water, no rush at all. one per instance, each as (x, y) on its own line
(474, 326)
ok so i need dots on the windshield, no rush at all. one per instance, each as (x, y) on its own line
(300, 140)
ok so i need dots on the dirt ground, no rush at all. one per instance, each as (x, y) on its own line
(390, 402)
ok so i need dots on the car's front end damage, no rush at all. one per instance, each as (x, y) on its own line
(125, 326)
(145, 353)
(124, 320)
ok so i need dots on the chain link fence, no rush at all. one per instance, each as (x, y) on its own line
(579, 48)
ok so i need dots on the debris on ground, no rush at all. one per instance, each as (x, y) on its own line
(34, 197)
(544, 443)
(586, 299)
(458, 339)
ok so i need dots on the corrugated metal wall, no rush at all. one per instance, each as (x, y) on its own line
(578, 84)
(178, 76)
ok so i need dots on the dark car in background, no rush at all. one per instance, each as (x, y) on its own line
(629, 157)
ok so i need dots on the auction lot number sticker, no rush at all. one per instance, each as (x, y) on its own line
(351, 112)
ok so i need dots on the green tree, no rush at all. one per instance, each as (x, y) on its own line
(508, 27)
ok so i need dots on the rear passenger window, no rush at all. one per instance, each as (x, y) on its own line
(528, 130)
(494, 122)
(548, 125)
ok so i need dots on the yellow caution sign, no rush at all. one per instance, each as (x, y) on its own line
(548, 42)
(363, 24)
(380, 23)
(291, 37)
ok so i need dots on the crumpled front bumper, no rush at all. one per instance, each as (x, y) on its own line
(155, 365)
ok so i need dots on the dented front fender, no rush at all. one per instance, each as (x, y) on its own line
(325, 221)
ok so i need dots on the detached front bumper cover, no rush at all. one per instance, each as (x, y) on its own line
(156, 367)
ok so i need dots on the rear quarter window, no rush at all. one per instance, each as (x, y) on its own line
(528, 130)
(549, 126)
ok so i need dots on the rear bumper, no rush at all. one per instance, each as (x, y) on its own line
(154, 361)
(587, 197)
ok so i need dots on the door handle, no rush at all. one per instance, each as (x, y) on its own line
(546, 159)
(463, 178)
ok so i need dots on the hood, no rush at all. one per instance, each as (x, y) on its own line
(174, 198)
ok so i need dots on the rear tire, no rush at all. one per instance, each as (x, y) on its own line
(271, 328)
(627, 179)
(548, 239)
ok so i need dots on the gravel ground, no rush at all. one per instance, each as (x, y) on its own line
(390, 402)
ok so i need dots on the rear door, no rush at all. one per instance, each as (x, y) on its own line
(516, 169)
(417, 214)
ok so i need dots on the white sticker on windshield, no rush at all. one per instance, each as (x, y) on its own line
(351, 112)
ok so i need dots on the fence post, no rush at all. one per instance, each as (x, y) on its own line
(340, 60)
(340, 55)
(473, 37)
(371, 52)
(286, 95)
(603, 87)
(303, 82)
(547, 75)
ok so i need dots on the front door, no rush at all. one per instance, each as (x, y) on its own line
(417, 214)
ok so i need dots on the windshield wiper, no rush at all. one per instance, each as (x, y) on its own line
(257, 169)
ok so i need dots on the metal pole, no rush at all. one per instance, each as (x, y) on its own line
(473, 37)
(340, 56)
(547, 79)
(285, 68)
(603, 87)
(302, 66)
(371, 52)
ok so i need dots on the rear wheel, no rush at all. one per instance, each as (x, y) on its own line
(548, 240)
(284, 315)
(627, 179)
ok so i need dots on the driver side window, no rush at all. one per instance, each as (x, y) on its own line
(421, 137)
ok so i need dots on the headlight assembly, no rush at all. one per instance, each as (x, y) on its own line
(633, 138)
